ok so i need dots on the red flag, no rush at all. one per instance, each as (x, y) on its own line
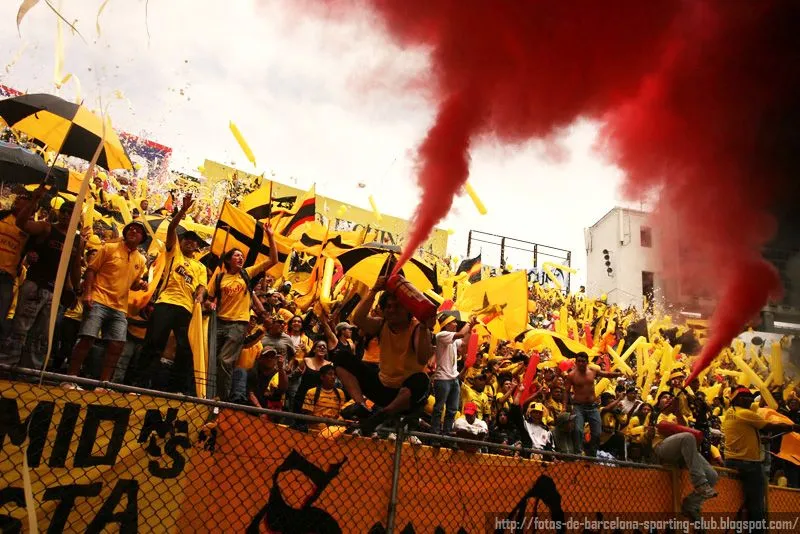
(529, 387)
(472, 350)
(446, 305)
(588, 332)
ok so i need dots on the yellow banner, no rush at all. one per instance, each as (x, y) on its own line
(123, 463)
(345, 216)
(96, 461)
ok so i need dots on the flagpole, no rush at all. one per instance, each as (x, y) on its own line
(211, 385)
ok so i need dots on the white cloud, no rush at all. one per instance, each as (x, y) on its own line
(321, 101)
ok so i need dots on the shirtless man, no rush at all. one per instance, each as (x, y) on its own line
(580, 394)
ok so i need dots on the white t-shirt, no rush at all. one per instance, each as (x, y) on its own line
(446, 356)
(541, 437)
(477, 427)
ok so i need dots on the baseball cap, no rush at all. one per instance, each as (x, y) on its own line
(194, 236)
(341, 326)
(268, 352)
(536, 407)
(445, 320)
(470, 408)
(679, 373)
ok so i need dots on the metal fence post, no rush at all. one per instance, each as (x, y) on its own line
(676, 490)
(398, 453)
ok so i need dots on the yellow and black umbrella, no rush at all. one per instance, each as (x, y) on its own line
(64, 127)
(368, 262)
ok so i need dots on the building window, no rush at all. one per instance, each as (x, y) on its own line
(648, 284)
(646, 236)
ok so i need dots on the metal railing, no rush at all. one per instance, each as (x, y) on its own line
(138, 460)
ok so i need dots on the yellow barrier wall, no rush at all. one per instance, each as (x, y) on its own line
(142, 464)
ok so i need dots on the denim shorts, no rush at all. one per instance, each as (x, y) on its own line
(100, 318)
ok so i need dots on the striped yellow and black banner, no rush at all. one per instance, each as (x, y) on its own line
(237, 229)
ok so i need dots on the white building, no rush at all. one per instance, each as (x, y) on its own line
(621, 261)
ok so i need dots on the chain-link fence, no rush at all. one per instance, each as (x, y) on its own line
(121, 459)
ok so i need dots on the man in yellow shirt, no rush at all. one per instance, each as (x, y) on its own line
(116, 269)
(400, 383)
(12, 241)
(476, 393)
(743, 449)
(183, 283)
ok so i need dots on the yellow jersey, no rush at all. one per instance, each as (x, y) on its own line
(740, 429)
(480, 399)
(398, 358)
(372, 354)
(12, 241)
(247, 358)
(328, 403)
(183, 279)
(116, 269)
(233, 303)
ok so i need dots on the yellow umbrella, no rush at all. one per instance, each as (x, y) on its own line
(65, 128)
(368, 262)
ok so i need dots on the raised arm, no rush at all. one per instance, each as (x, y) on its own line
(370, 325)
(172, 229)
(26, 212)
(613, 374)
(466, 329)
(330, 335)
(267, 264)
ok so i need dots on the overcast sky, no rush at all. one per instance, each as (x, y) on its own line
(317, 102)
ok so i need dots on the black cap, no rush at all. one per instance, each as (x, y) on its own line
(194, 236)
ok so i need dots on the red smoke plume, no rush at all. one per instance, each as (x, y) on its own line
(693, 98)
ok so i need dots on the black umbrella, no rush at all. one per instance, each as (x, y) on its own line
(21, 166)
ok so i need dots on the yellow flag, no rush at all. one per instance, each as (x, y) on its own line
(237, 229)
(560, 346)
(257, 203)
(198, 341)
(505, 296)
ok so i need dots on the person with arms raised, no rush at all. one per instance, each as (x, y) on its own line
(446, 387)
(399, 384)
(231, 295)
(580, 384)
(183, 284)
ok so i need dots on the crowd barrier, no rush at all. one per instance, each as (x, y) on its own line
(129, 460)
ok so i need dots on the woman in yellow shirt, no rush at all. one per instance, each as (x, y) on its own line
(232, 297)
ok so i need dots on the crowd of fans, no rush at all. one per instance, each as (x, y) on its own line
(384, 366)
